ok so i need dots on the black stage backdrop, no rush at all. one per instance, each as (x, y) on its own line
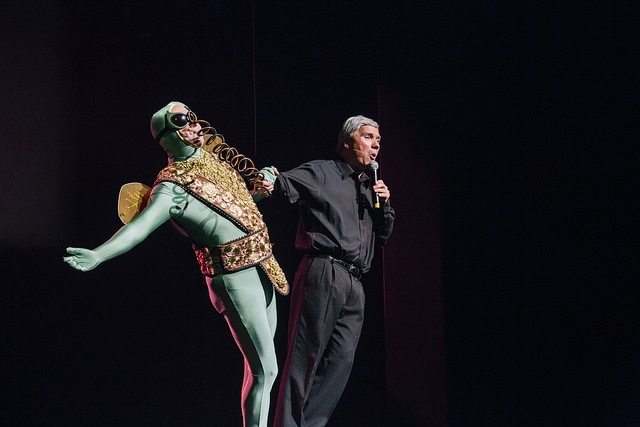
(506, 295)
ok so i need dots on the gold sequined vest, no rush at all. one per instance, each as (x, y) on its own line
(221, 188)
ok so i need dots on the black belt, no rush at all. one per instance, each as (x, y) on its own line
(355, 271)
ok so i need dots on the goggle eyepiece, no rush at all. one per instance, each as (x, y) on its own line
(176, 121)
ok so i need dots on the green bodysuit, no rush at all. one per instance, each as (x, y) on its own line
(209, 201)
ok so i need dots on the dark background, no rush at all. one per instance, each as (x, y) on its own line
(507, 294)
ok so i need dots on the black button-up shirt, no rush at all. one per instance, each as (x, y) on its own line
(336, 213)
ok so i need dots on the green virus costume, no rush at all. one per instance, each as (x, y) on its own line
(204, 194)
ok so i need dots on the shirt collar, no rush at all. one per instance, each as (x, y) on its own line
(347, 171)
(344, 168)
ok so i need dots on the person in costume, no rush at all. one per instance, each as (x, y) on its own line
(344, 214)
(203, 192)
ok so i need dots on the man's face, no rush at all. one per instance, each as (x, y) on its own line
(363, 148)
(189, 133)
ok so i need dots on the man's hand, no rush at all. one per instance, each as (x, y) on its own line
(382, 190)
(263, 184)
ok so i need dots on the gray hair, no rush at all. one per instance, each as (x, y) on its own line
(350, 126)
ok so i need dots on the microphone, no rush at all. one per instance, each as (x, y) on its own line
(374, 168)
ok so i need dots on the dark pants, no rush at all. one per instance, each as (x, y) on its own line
(325, 321)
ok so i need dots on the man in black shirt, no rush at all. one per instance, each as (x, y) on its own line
(338, 230)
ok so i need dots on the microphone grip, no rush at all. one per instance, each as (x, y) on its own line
(376, 198)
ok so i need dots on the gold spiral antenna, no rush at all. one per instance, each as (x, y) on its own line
(215, 143)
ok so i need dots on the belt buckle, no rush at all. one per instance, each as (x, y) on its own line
(353, 270)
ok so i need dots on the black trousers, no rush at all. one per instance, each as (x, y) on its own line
(325, 321)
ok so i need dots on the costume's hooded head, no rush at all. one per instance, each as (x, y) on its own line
(167, 121)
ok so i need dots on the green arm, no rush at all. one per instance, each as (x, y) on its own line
(125, 239)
